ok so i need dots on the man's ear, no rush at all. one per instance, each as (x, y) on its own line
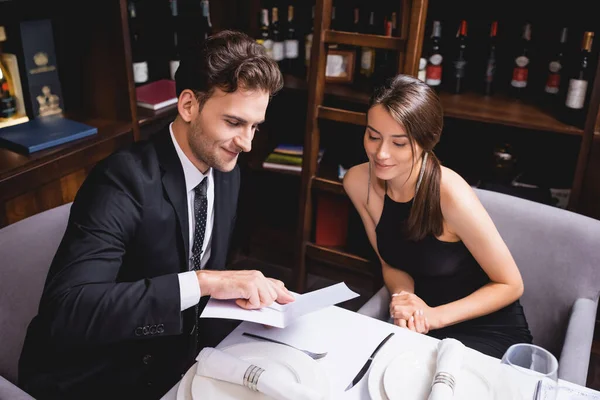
(187, 105)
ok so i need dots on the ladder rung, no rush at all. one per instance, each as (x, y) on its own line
(328, 185)
(361, 39)
(339, 257)
(339, 115)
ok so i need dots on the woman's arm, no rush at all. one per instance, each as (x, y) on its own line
(466, 217)
(355, 185)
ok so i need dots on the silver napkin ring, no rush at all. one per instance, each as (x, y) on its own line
(445, 378)
(251, 377)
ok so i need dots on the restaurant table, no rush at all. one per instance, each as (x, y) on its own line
(350, 338)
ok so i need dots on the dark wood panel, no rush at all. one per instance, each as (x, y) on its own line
(361, 39)
(340, 258)
(328, 185)
(350, 117)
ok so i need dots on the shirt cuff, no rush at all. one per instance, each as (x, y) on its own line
(189, 289)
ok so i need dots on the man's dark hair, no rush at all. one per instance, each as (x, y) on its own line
(228, 60)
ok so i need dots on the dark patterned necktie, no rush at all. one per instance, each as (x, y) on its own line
(200, 211)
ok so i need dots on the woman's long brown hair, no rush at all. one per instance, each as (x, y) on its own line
(415, 106)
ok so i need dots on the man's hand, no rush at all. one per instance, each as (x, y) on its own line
(250, 288)
(409, 311)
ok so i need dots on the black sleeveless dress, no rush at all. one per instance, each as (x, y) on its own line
(444, 272)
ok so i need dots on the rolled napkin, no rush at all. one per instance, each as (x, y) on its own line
(216, 364)
(447, 370)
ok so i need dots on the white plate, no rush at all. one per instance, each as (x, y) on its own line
(408, 376)
(295, 364)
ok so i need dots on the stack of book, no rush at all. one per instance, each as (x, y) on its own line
(286, 157)
(156, 95)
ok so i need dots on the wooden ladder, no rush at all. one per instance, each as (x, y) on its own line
(408, 48)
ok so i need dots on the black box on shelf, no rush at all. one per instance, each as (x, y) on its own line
(44, 91)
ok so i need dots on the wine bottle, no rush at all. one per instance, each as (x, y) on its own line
(205, 23)
(8, 105)
(308, 40)
(395, 32)
(521, 67)
(433, 71)
(264, 37)
(291, 44)
(490, 69)
(278, 46)
(460, 61)
(367, 57)
(173, 4)
(175, 56)
(555, 69)
(140, 63)
(574, 110)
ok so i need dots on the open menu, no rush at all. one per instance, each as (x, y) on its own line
(279, 315)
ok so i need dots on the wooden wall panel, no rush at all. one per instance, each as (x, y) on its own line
(45, 197)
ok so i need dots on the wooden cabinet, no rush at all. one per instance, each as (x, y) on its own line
(93, 58)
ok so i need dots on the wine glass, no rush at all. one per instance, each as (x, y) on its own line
(529, 369)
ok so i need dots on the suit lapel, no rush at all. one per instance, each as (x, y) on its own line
(173, 182)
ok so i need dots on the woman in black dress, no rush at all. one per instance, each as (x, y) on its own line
(448, 270)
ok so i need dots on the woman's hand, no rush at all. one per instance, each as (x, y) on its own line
(409, 311)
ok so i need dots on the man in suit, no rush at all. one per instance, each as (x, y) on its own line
(147, 242)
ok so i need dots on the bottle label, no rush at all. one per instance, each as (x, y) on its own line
(490, 71)
(173, 65)
(278, 51)
(576, 94)
(554, 66)
(422, 64)
(421, 75)
(519, 78)
(7, 107)
(366, 59)
(436, 59)
(433, 75)
(552, 83)
(522, 61)
(140, 72)
(291, 49)
(308, 48)
(268, 44)
(459, 68)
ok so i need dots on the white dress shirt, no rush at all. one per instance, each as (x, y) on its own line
(189, 288)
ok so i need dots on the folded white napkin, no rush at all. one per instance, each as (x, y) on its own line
(449, 360)
(216, 364)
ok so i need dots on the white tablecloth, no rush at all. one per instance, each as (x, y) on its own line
(350, 338)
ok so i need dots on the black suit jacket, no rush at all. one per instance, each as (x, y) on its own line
(109, 323)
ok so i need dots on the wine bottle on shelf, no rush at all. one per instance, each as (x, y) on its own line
(278, 46)
(521, 66)
(308, 40)
(8, 104)
(367, 56)
(205, 23)
(490, 69)
(555, 70)
(291, 44)
(140, 63)
(433, 70)
(395, 32)
(460, 61)
(175, 56)
(264, 37)
(174, 11)
(573, 110)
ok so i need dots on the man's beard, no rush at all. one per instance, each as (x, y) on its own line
(204, 150)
